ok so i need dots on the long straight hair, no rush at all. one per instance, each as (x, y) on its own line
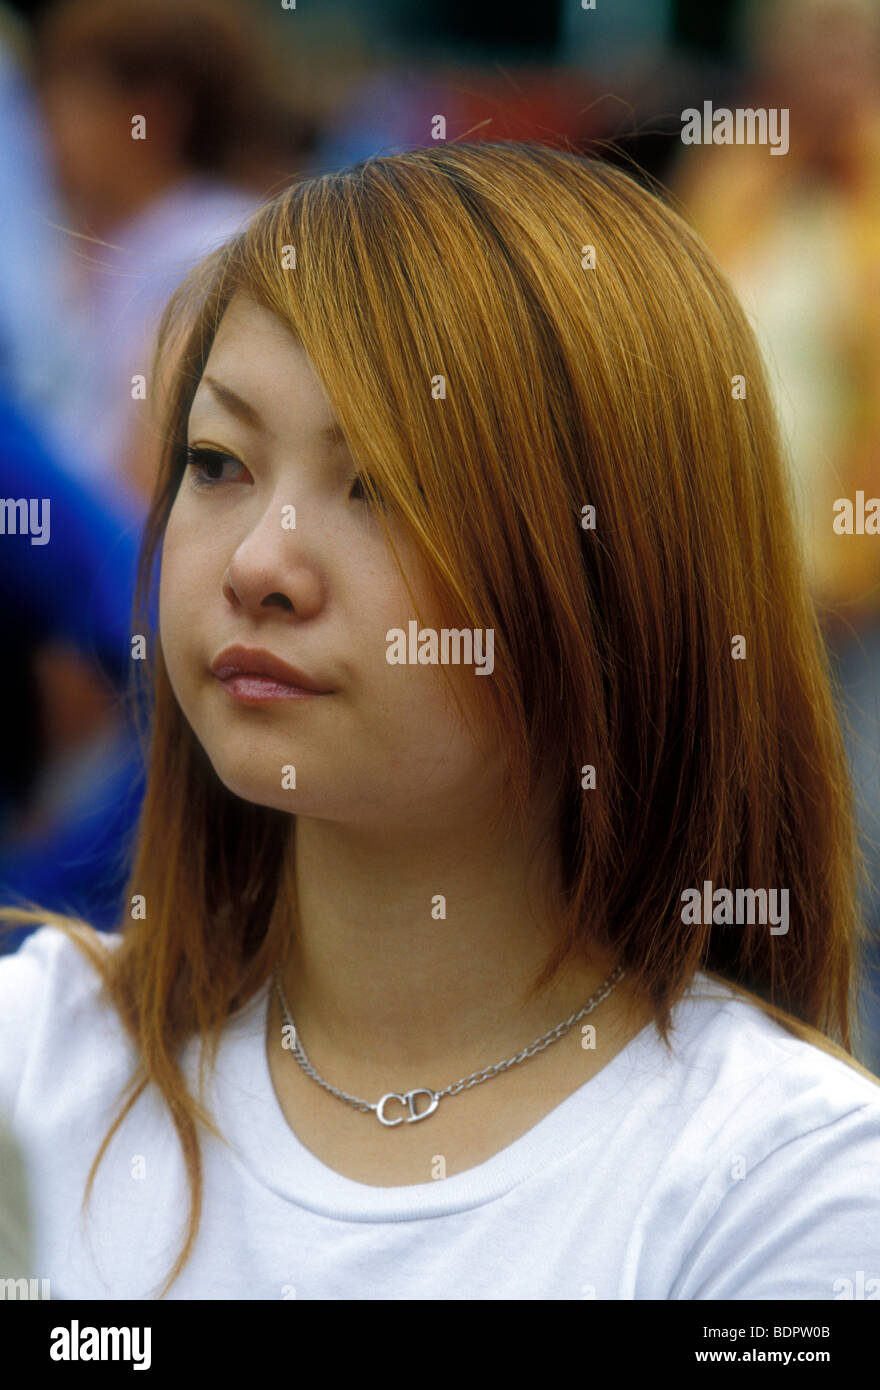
(592, 355)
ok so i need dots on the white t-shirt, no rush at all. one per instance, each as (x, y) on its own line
(747, 1166)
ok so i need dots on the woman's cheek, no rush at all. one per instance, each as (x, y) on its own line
(179, 610)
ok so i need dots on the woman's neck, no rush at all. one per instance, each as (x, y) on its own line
(415, 954)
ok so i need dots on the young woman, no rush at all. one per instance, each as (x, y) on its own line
(491, 925)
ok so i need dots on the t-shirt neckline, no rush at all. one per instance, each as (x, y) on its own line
(251, 1118)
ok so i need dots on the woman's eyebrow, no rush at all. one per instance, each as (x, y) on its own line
(330, 434)
(234, 404)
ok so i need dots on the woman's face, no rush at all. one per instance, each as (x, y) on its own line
(386, 746)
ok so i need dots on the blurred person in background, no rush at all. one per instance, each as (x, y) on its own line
(70, 770)
(799, 237)
(35, 351)
(165, 121)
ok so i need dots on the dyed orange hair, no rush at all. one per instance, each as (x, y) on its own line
(567, 387)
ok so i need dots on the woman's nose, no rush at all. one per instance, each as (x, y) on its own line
(272, 567)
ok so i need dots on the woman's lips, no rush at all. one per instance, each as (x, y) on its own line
(244, 686)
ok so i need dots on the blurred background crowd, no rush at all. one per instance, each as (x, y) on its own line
(241, 96)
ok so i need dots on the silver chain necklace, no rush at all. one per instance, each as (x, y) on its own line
(408, 1098)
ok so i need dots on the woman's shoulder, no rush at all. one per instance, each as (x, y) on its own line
(52, 1002)
(743, 1071)
(773, 1146)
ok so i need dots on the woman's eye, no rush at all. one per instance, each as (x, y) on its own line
(206, 471)
(200, 461)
